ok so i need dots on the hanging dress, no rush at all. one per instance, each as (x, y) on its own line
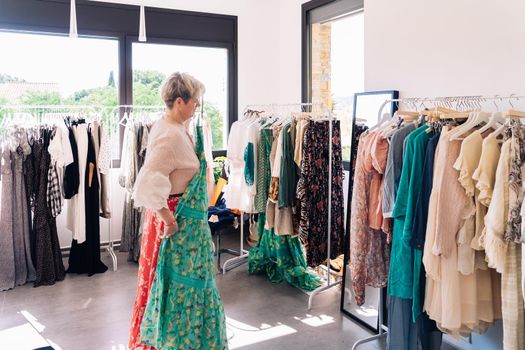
(184, 309)
(7, 257)
(280, 257)
(48, 258)
(84, 257)
(25, 270)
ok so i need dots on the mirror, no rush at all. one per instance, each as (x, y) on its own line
(365, 112)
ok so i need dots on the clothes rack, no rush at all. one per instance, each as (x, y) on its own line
(285, 110)
(45, 112)
(459, 102)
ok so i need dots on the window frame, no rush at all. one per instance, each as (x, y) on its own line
(182, 42)
(120, 22)
(306, 40)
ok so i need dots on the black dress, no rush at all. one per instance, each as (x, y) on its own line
(314, 189)
(48, 258)
(85, 257)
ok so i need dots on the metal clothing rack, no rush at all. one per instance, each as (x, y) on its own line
(286, 110)
(45, 112)
(459, 102)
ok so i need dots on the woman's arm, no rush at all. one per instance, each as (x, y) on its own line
(170, 222)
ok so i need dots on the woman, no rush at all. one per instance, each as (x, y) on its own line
(178, 304)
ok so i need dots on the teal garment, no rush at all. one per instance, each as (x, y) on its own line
(416, 181)
(288, 171)
(280, 257)
(184, 309)
(400, 279)
(249, 164)
(263, 170)
(419, 146)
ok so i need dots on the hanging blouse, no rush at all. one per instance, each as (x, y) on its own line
(517, 159)
(76, 213)
(466, 164)
(394, 167)
(376, 164)
(497, 215)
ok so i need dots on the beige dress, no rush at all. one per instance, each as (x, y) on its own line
(457, 302)
(471, 261)
(496, 218)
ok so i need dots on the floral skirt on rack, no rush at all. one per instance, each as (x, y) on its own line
(281, 258)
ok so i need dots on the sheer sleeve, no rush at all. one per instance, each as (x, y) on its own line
(496, 218)
(152, 186)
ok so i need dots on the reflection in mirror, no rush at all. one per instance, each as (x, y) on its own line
(365, 115)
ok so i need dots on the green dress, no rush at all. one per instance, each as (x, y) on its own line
(401, 275)
(280, 257)
(184, 309)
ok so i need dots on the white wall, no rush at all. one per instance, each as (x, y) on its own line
(445, 47)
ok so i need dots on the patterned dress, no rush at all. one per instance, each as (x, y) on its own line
(149, 252)
(184, 309)
(280, 257)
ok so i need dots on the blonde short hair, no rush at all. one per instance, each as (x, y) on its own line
(180, 85)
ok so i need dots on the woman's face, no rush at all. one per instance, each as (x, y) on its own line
(187, 109)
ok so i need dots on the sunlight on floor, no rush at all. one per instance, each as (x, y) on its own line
(316, 321)
(367, 311)
(241, 334)
(21, 338)
(118, 347)
(33, 321)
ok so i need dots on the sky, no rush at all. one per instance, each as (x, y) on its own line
(84, 63)
(348, 73)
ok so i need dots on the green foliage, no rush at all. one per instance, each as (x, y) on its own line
(102, 96)
(146, 86)
(151, 78)
(145, 95)
(41, 98)
(218, 164)
(216, 120)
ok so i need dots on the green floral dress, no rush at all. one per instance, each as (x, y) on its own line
(184, 309)
(280, 257)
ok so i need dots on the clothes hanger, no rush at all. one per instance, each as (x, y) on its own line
(513, 113)
(495, 120)
(384, 120)
(475, 118)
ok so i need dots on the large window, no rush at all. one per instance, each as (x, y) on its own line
(52, 70)
(335, 61)
(40, 64)
(152, 63)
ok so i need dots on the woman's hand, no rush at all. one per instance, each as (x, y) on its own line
(170, 223)
(170, 228)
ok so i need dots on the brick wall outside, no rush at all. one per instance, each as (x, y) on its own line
(321, 67)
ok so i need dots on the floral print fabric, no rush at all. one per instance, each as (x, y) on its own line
(517, 157)
(280, 257)
(313, 191)
(149, 251)
(369, 251)
(184, 309)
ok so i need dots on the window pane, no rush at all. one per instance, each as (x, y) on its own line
(37, 69)
(152, 63)
(49, 69)
(338, 68)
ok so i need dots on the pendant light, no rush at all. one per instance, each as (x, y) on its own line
(142, 24)
(73, 33)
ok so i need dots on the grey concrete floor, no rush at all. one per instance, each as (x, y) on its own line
(94, 312)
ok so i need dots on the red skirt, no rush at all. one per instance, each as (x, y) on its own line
(149, 251)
